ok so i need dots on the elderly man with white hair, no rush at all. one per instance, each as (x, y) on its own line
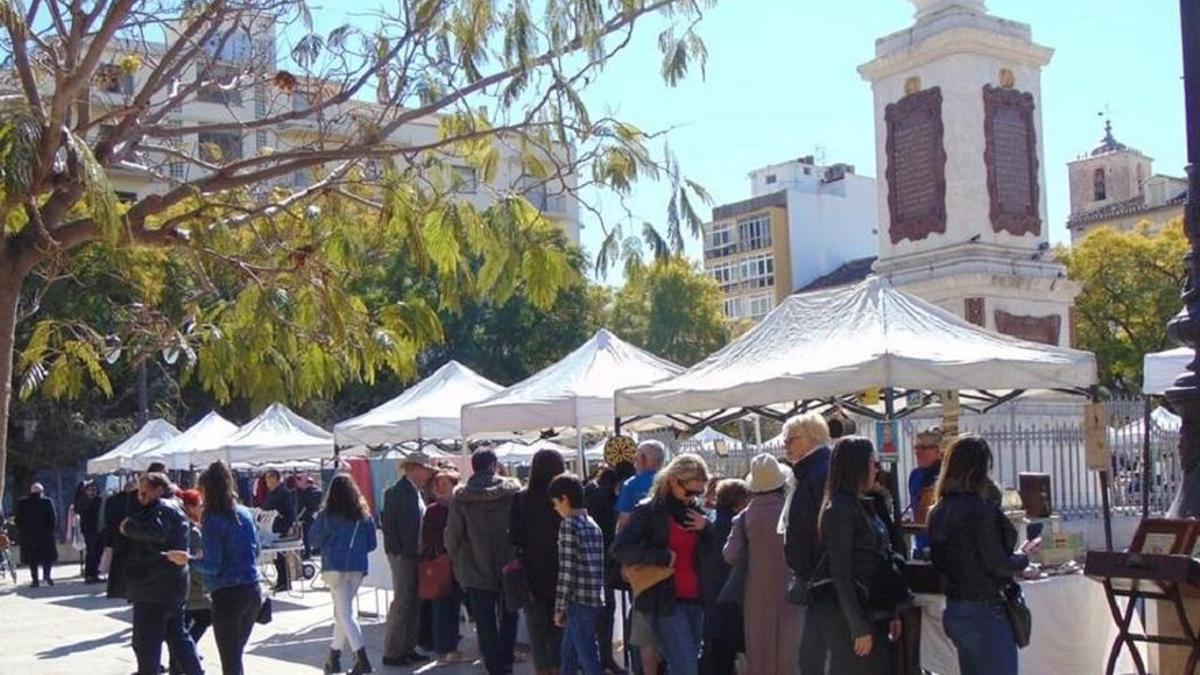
(807, 447)
(36, 524)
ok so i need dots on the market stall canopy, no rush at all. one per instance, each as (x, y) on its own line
(1161, 420)
(709, 436)
(520, 453)
(152, 434)
(427, 410)
(853, 339)
(575, 392)
(1160, 369)
(178, 453)
(276, 435)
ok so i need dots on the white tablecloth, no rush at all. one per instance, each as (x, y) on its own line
(1073, 630)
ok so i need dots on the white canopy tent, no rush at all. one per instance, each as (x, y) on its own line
(152, 434)
(575, 392)
(513, 452)
(1161, 419)
(851, 339)
(1160, 369)
(177, 453)
(427, 410)
(708, 437)
(276, 435)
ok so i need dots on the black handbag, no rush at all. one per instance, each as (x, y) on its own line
(1019, 616)
(889, 589)
(264, 612)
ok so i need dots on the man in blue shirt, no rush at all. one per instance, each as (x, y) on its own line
(922, 482)
(649, 459)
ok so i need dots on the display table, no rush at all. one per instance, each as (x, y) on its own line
(1072, 630)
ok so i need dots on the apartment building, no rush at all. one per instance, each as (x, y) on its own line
(801, 222)
(230, 96)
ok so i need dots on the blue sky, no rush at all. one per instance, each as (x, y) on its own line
(781, 82)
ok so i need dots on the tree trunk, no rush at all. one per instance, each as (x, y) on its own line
(10, 294)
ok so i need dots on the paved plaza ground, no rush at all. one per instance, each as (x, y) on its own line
(72, 628)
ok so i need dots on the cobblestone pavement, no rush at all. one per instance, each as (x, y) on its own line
(72, 628)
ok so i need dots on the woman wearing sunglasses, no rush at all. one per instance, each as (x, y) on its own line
(670, 530)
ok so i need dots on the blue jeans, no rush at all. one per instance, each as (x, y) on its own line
(155, 623)
(445, 622)
(983, 637)
(580, 650)
(680, 636)
(497, 629)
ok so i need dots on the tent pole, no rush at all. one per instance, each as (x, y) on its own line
(1094, 396)
(1146, 473)
(889, 416)
(616, 426)
(582, 454)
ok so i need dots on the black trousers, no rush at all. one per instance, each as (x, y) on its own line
(155, 623)
(282, 582)
(234, 611)
(827, 631)
(91, 559)
(604, 625)
(33, 571)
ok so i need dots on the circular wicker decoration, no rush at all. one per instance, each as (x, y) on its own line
(619, 449)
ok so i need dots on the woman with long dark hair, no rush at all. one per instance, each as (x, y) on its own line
(842, 620)
(972, 546)
(229, 565)
(533, 530)
(345, 533)
(445, 612)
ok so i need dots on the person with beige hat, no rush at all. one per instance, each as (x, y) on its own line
(400, 521)
(772, 623)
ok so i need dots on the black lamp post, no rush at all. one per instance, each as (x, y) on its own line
(1184, 329)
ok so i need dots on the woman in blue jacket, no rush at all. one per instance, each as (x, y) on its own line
(345, 533)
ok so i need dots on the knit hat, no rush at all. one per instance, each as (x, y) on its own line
(767, 474)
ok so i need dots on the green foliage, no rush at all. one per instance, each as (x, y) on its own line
(671, 309)
(1131, 283)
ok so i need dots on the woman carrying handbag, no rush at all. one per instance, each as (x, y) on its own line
(437, 583)
(345, 533)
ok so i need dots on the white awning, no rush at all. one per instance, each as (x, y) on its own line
(1160, 369)
(575, 392)
(851, 339)
(428, 410)
(179, 453)
(276, 435)
(520, 453)
(153, 434)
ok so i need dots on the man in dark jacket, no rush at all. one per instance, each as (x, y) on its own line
(806, 441)
(87, 507)
(403, 508)
(156, 586)
(308, 503)
(117, 508)
(283, 503)
(36, 524)
(477, 541)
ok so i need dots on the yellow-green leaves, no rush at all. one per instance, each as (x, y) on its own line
(60, 363)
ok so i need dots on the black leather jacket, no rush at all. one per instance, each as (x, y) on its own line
(971, 544)
(149, 575)
(855, 544)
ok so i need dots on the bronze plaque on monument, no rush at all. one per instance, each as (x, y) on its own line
(1011, 158)
(916, 166)
(1043, 329)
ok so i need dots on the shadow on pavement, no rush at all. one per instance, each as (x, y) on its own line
(121, 636)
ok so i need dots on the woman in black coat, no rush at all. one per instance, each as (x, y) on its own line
(533, 530)
(117, 508)
(36, 524)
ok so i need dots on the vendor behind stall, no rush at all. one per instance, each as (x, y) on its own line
(922, 483)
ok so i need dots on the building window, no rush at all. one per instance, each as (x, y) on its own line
(808, 171)
(112, 80)
(759, 271)
(260, 140)
(465, 180)
(760, 305)
(178, 170)
(1099, 186)
(724, 275)
(771, 179)
(754, 232)
(733, 308)
(260, 102)
(219, 146)
(1141, 180)
(719, 241)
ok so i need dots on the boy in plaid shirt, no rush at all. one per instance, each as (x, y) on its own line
(580, 592)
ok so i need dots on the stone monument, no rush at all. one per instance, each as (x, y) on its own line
(959, 155)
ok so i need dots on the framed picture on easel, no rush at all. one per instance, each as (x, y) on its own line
(1163, 536)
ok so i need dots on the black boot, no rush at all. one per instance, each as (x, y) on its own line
(361, 664)
(334, 663)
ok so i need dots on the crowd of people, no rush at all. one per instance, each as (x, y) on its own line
(798, 566)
